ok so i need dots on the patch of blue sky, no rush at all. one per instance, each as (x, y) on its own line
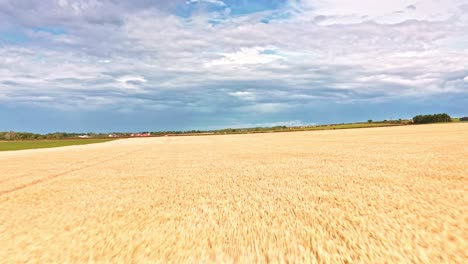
(242, 7)
(184, 10)
(215, 22)
(269, 52)
(236, 7)
(187, 9)
(276, 16)
(54, 30)
(13, 37)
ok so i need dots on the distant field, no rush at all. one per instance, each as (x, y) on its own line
(306, 128)
(355, 125)
(21, 145)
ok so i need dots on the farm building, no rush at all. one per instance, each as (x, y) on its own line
(141, 135)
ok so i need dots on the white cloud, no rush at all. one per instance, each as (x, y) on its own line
(289, 123)
(344, 11)
(246, 56)
(264, 108)
(79, 7)
(131, 81)
(363, 7)
(244, 95)
(131, 78)
(214, 2)
(396, 79)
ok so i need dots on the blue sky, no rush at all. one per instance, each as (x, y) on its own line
(142, 65)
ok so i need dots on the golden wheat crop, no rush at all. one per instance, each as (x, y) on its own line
(374, 195)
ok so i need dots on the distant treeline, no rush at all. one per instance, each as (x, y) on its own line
(436, 118)
(420, 119)
(12, 135)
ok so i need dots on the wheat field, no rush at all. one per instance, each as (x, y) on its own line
(378, 195)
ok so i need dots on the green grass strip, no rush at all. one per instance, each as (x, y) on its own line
(21, 145)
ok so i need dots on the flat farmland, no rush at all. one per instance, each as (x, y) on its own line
(377, 195)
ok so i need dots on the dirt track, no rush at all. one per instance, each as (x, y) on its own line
(377, 195)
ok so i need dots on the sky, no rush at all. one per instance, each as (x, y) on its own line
(152, 65)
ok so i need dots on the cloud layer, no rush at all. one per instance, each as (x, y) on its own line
(223, 59)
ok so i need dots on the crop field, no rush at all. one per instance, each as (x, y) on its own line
(30, 144)
(377, 195)
(309, 128)
(352, 125)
